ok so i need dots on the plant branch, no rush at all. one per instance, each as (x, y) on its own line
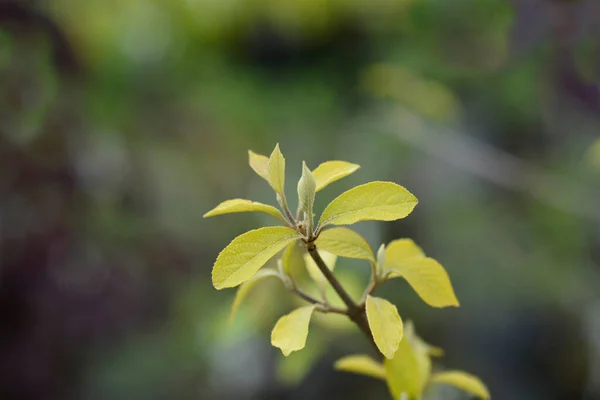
(322, 306)
(355, 312)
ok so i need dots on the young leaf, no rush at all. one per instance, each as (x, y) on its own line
(403, 374)
(276, 170)
(380, 265)
(306, 193)
(293, 260)
(385, 324)
(332, 171)
(429, 279)
(290, 332)
(259, 164)
(314, 271)
(246, 287)
(241, 205)
(344, 242)
(464, 381)
(401, 250)
(382, 201)
(239, 261)
(362, 365)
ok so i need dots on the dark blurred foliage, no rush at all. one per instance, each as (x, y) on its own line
(123, 121)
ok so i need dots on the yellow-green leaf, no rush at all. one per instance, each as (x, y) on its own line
(314, 271)
(241, 205)
(421, 351)
(276, 170)
(385, 324)
(403, 373)
(332, 171)
(239, 261)
(382, 201)
(401, 250)
(291, 331)
(429, 279)
(362, 365)
(260, 164)
(344, 242)
(463, 381)
(246, 287)
(293, 260)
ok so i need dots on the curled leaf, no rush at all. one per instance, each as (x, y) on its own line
(242, 205)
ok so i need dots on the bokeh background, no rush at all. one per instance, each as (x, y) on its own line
(123, 121)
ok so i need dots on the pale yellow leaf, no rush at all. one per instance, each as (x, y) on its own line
(259, 164)
(276, 170)
(362, 365)
(401, 250)
(332, 171)
(314, 271)
(291, 331)
(464, 381)
(293, 260)
(344, 242)
(385, 324)
(429, 279)
(246, 287)
(382, 201)
(241, 205)
(306, 190)
(239, 261)
(403, 372)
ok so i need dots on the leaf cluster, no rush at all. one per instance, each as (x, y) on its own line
(308, 252)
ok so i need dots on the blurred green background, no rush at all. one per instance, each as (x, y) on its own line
(123, 121)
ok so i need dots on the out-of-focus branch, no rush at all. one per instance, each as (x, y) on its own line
(496, 166)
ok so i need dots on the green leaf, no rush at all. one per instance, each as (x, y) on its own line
(385, 324)
(429, 279)
(260, 164)
(276, 171)
(241, 205)
(344, 242)
(314, 271)
(306, 194)
(291, 331)
(403, 373)
(239, 261)
(293, 260)
(332, 171)
(382, 201)
(246, 287)
(401, 250)
(464, 381)
(362, 365)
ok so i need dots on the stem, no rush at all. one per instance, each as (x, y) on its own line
(356, 313)
(322, 306)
